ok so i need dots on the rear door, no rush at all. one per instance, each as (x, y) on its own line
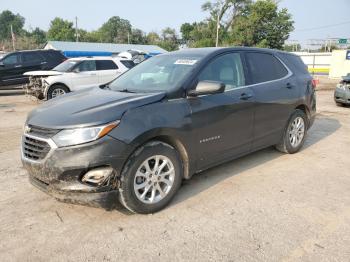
(83, 75)
(107, 70)
(275, 93)
(11, 70)
(32, 61)
(223, 123)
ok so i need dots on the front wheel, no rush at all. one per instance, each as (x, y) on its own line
(57, 90)
(151, 178)
(294, 134)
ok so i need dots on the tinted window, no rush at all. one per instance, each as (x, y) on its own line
(106, 65)
(295, 63)
(53, 55)
(84, 66)
(227, 69)
(11, 59)
(128, 63)
(31, 57)
(264, 67)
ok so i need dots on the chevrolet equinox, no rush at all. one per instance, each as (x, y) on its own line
(174, 115)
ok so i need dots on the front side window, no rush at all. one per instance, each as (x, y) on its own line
(88, 65)
(227, 69)
(106, 65)
(65, 66)
(11, 59)
(159, 73)
(264, 67)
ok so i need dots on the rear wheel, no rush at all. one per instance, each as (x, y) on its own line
(294, 134)
(57, 90)
(339, 104)
(151, 178)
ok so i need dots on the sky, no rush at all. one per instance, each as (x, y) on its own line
(154, 15)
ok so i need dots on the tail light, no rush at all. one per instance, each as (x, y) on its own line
(315, 82)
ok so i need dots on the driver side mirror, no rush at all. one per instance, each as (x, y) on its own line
(207, 88)
(2, 64)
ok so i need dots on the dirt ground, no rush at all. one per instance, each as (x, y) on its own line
(267, 206)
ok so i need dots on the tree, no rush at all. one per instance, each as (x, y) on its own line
(262, 24)
(138, 37)
(115, 30)
(38, 36)
(153, 38)
(186, 30)
(7, 18)
(169, 39)
(61, 30)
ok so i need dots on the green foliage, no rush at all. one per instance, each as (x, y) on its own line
(7, 18)
(115, 30)
(61, 30)
(38, 36)
(169, 40)
(262, 25)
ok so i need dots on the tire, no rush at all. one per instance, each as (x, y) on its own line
(339, 104)
(286, 144)
(62, 89)
(135, 178)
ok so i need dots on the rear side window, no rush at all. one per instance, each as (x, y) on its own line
(53, 55)
(128, 63)
(106, 65)
(32, 57)
(295, 63)
(227, 69)
(264, 67)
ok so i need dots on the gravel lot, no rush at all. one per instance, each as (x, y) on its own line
(263, 207)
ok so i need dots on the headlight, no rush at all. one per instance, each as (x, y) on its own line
(69, 137)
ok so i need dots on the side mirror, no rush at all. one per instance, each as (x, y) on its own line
(2, 64)
(207, 88)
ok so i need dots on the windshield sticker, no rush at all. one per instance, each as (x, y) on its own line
(185, 62)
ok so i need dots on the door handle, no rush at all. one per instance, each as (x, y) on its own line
(17, 66)
(246, 96)
(289, 85)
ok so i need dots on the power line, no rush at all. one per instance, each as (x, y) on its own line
(321, 27)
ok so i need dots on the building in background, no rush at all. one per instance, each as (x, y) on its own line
(78, 49)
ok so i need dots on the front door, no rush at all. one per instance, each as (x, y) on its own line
(84, 75)
(223, 123)
(11, 70)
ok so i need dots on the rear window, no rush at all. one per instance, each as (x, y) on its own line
(53, 55)
(106, 65)
(264, 67)
(128, 63)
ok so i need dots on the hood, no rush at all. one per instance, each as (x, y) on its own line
(43, 73)
(89, 107)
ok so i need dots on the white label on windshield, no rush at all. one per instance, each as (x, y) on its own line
(185, 62)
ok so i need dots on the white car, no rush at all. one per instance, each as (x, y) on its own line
(75, 74)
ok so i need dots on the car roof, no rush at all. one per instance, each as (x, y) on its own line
(216, 50)
(97, 58)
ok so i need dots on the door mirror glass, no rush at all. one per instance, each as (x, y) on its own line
(207, 88)
(1, 64)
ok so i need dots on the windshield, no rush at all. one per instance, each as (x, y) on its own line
(159, 73)
(65, 66)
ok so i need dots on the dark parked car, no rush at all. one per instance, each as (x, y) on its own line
(164, 120)
(14, 65)
(342, 92)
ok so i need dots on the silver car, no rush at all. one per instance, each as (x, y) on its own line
(342, 91)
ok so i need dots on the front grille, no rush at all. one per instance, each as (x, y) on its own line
(42, 132)
(35, 149)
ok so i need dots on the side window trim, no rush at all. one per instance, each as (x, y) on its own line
(289, 72)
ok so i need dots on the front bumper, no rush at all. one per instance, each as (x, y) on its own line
(59, 174)
(342, 96)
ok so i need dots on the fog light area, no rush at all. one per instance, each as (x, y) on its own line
(98, 176)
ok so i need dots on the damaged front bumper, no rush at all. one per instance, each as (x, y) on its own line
(60, 173)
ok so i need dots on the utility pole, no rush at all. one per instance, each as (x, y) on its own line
(128, 38)
(76, 30)
(13, 38)
(218, 24)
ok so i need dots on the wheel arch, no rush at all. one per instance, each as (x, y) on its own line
(53, 85)
(306, 110)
